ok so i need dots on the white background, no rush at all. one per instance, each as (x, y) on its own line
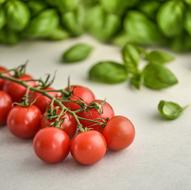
(160, 157)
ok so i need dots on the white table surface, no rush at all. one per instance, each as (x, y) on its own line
(159, 159)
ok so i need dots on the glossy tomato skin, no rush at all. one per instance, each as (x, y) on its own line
(107, 113)
(2, 81)
(5, 107)
(69, 124)
(24, 122)
(79, 93)
(119, 133)
(51, 145)
(41, 101)
(88, 147)
(17, 91)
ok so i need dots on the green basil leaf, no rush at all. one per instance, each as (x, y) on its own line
(131, 55)
(74, 21)
(36, 6)
(64, 5)
(108, 72)
(181, 43)
(141, 29)
(17, 14)
(76, 53)
(170, 18)
(43, 24)
(157, 76)
(136, 80)
(187, 22)
(2, 18)
(101, 24)
(117, 6)
(149, 8)
(58, 34)
(188, 2)
(158, 56)
(9, 37)
(169, 110)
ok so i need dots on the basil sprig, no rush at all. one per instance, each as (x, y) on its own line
(170, 110)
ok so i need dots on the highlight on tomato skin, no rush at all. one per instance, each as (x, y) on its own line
(17, 91)
(5, 107)
(81, 93)
(119, 133)
(51, 145)
(107, 112)
(24, 121)
(88, 147)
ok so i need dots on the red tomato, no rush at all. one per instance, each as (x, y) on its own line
(2, 81)
(69, 124)
(51, 144)
(24, 122)
(17, 91)
(79, 93)
(42, 101)
(107, 113)
(88, 147)
(119, 133)
(5, 107)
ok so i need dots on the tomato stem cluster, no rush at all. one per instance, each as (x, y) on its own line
(54, 100)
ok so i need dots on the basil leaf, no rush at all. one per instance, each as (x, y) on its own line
(149, 8)
(187, 22)
(131, 55)
(43, 25)
(18, 15)
(101, 24)
(157, 76)
(170, 110)
(76, 53)
(141, 29)
(160, 57)
(136, 80)
(2, 18)
(170, 18)
(108, 72)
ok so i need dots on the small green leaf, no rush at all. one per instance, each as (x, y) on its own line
(170, 110)
(108, 72)
(76, 53)
(131, 55)
(2, 18)
(160, 57)
(141, 29)
(43, 25)
(136, 80)
(170, 18)
(157, 76)
(58, 34)
(187, 22)
(18, 15)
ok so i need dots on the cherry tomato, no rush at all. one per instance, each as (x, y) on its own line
(2, 81)
(17, 91)
(69, 124)
(79, 93)
(119, 133)
(24, 122)
(42, 101)
(93, 113)
(88, 147)
(51, 144)
(5, 107)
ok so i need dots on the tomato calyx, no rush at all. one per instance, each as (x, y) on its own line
(20, 70)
